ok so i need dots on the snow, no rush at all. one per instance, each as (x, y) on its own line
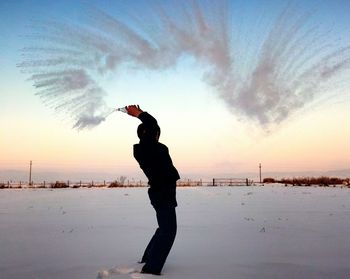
(223, 232)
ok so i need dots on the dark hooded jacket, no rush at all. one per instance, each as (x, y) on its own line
(154, 159)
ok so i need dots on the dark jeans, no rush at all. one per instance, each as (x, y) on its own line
(159, 247)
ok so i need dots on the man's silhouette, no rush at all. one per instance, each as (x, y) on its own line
(154, 159)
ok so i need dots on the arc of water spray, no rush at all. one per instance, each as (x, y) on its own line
(292, 65)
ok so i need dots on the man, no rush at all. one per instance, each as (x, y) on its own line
(154, 159)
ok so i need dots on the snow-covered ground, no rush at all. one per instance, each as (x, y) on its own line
(223, 232)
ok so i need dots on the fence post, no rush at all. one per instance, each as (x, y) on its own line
(68, 183)
(8, 184)
(213, 181)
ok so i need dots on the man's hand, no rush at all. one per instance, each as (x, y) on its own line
(134, 110)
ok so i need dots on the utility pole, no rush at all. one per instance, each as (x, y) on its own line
(30, 174)
(260, 172)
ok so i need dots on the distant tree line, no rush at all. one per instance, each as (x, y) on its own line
(308, 181)
(123, 182)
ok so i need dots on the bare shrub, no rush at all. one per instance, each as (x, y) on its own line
(115, 184)
(118, 183)
(269, 180)
(59, 184)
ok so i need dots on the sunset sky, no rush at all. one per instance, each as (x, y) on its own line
(204, 135)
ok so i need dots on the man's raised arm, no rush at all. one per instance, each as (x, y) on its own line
(148, 120)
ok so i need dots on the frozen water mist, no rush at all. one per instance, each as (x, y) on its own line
(293, 65)
(296, 63)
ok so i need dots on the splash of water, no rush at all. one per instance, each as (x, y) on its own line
(287, 70)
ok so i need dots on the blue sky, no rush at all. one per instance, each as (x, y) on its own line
(204, 136)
